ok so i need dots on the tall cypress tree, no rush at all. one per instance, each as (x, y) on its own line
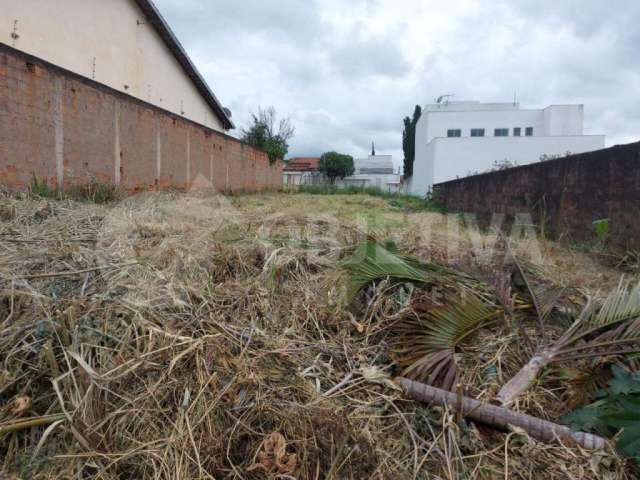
(409, 141)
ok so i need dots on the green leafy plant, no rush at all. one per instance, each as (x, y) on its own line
(616, 408)
(602, 229)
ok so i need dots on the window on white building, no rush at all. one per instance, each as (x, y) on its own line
(528, 131)
(517, 132)
(454, 132)
(477, 132)
(501, 132)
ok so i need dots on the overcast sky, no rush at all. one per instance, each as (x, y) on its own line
(348, 71)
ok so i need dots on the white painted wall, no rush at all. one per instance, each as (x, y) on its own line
(563, 120)
(75, 33)
(423, 166)
(437, 124)
(556, 130)
(457, 157)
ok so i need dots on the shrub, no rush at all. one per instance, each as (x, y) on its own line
(336, 165)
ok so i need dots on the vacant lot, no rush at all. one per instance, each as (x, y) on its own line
(175, 336)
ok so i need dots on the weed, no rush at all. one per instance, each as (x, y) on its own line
(398, 200)
(40, 188)
(94, 191)
(602, 229)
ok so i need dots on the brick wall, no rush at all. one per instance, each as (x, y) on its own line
(67, 130)
(567, 194)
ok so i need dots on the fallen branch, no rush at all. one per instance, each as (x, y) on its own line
(525, 378)
(21, 424)
(499, 417)
(70, 273)
(47, 240)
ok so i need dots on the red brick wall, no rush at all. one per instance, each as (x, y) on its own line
(68, 130)
(567, 194)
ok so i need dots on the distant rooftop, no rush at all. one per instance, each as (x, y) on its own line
(302, 164)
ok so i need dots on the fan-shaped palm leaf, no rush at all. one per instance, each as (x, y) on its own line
(426, 344)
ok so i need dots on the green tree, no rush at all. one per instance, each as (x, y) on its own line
(336, 165)
(409, 141)
(268, 134)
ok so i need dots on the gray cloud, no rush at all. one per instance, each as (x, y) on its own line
(359, 57)
(348, 72)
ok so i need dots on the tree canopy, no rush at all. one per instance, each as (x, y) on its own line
(336, 165)
(409, 141)
(268, 134)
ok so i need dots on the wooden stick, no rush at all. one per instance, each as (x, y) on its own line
(72, 272)
(46, 240)
(338, 386)
(498, 416)
(23, 423)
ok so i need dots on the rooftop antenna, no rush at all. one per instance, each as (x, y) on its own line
(373, 149)
(444, 98)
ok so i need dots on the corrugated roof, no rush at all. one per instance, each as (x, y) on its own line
(162, 27)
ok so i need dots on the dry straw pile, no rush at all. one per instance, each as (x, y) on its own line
(172, 336)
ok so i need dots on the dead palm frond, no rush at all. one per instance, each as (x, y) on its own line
(426, 344)
(371, 261)
(610, 327)
(426, 341)
(544, 295)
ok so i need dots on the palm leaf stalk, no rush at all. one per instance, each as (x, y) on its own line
(611, 327)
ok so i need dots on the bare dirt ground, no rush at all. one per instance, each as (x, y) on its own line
(200, 336)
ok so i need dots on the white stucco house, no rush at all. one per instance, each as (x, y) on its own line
(374, 171)
(454, 139)
(124, 44)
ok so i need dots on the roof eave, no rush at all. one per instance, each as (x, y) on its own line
(162, 27)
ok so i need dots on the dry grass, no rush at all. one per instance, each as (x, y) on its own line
(170, 336)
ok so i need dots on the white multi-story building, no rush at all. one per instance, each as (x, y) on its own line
(454, 139)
